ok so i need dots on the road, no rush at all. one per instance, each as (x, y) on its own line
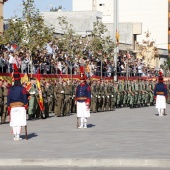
(123, 137)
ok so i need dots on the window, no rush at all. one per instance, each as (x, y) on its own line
(101, 2)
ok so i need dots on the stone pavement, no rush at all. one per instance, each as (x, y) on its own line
(125, 137)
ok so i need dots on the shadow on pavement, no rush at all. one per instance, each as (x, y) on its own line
(31, 135)
(90, 125)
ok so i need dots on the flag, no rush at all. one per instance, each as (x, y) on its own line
(117, 38)
(25, 78)
(28, 86)
(40, 100)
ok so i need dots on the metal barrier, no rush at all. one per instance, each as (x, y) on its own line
(51, 69)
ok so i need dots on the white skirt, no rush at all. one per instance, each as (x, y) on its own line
(18, 116)
(160, 102)
(82, 110)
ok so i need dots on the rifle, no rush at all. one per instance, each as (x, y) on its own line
(26, 135)
(77, 122)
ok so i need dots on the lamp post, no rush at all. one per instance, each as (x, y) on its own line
(116, 29)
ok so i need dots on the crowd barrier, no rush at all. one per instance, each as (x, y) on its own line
(25, 77)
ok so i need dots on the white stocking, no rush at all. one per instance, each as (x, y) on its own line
(14, 128)
(85, 121)
(18, 130)
(81, 120)
(159, 111)
(162, 112)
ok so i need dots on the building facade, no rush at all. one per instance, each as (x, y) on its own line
(152, 14)
(169, 27)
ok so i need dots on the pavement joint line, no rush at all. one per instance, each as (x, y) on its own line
(89, 162)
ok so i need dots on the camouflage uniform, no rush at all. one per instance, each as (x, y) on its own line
(1, 100)
(120, 94)
(94, 97)
(107, 96)
(59, 99)
(67, 99)
(4, 109)
(33, 104)
(112, 96)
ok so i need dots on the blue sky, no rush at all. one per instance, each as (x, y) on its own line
(14, 7)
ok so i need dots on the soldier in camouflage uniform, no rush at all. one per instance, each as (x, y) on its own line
(102, 94)
(125, 93)
(136, 93)
(168, 90)
(4, 109)
(131, 94)
(112, 96)
(143, 92)
(94, 96)
(50, 95)
(33, 103)
(98, 96)
(107, 96)
(1, 99)
(119, 103)
(140, 93)
(59, 97)
(146, 101)
(67, 100)
(151, 93)
(45, 100)
(73, 88)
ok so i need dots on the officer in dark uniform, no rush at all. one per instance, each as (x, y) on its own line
(160, 94)
(83, 98)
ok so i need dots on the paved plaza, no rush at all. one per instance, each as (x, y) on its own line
(125, 137)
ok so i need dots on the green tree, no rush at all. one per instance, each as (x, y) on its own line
(74, 44)
(28, 31)
(100, 44)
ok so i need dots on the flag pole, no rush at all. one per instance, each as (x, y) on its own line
(116, 34)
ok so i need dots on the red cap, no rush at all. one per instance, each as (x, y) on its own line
(82, 76)
(160, 77)
(16, 74)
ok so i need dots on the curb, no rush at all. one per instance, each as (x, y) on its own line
(162, 163)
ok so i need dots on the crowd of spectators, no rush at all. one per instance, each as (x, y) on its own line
(51, 60)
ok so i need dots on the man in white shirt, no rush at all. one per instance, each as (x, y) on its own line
(11, 61)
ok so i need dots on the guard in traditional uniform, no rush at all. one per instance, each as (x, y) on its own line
(160, 94)
(83, 98)
(17, 104)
